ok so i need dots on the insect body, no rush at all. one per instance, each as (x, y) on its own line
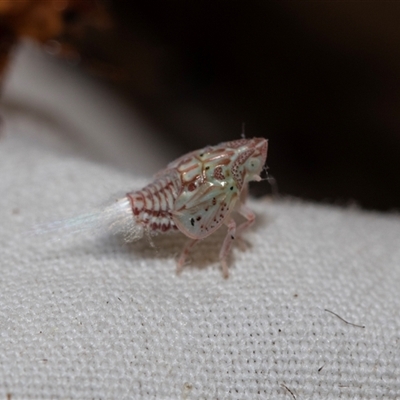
(197, 193)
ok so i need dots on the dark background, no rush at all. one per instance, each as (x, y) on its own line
(319, 79)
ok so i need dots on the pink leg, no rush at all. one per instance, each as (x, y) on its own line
(226, 246)
(184, 254)
(232, 232)
(249, 215)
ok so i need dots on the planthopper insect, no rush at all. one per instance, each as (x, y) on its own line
(195, 194)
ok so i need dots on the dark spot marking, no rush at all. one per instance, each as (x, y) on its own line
(191, 186)
(207, 168)
(214, 201)
(192, 221)
(164, 227)
(231, 187)
(198, 218)
(218, 174)
(232, 237)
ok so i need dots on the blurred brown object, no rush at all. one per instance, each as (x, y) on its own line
(58, 23)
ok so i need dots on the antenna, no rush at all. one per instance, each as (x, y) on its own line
(243, 135)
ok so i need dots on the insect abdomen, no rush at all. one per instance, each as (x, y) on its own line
(152, 205)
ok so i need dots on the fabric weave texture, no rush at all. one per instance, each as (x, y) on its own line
(90, 317)
(86, 316)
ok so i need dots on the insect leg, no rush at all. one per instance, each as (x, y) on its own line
(184, 254)
(250, 217)
(226, 246)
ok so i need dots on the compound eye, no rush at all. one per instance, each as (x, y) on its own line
(253, 165)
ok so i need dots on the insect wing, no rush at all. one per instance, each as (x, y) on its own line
(200, 213)
(189, 157)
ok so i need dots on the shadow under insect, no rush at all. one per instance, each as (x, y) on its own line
(169, 246)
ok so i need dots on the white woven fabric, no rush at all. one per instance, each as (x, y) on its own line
(93, 318)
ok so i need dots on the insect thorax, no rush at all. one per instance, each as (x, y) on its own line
(210, 166)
